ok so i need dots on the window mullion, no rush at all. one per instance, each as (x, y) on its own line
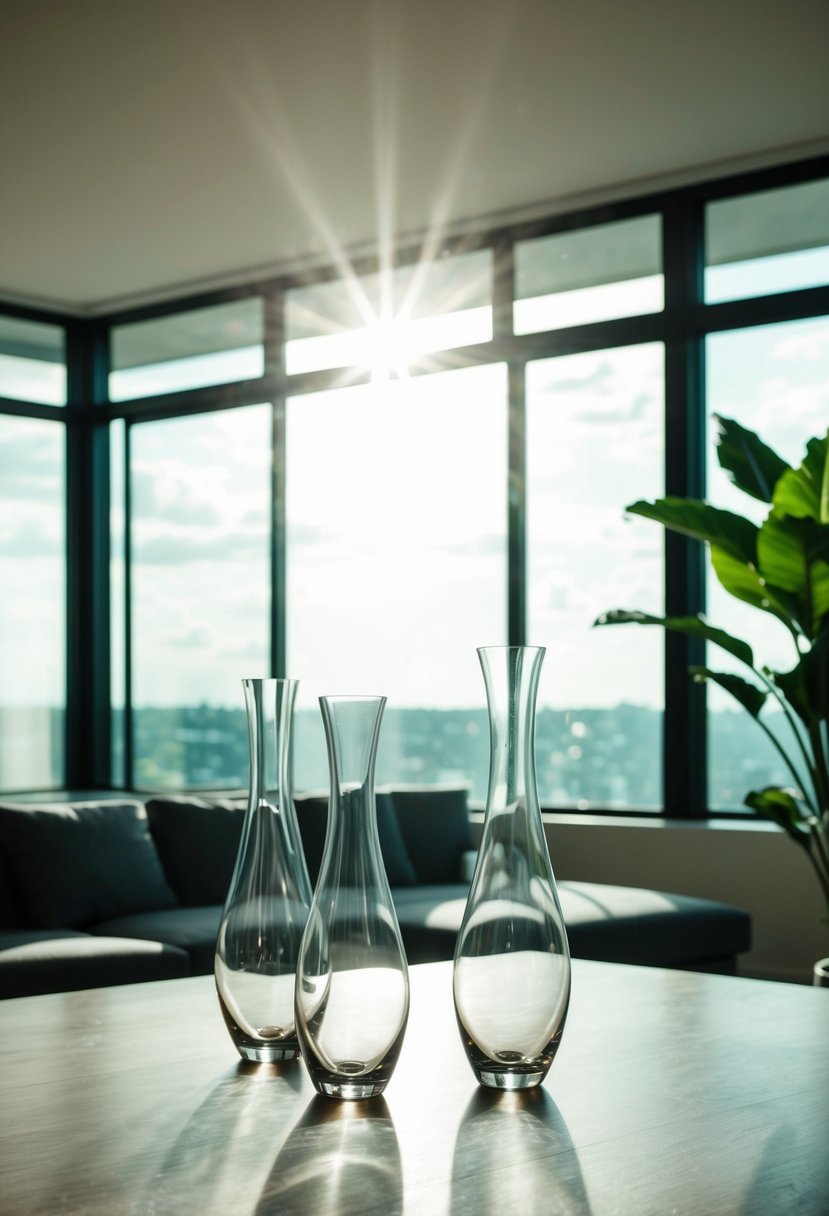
(684, 742)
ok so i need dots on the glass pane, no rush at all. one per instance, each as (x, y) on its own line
(32, 608)
(592, 274)
(216, 345)
(594, 445)
(200, 492)
(397, 565)
(32, 361)
(758, 244)
(774, 380)
(384, 321)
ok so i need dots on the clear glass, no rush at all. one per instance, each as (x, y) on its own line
(352, 992)
(32, 608)
(589, 274)
(200, 490)
(773, 379)
(595, 442)
(267, 904)
(768, 242)
(185, 350)
(384, 321)
(385, 596)
(32, 361)
(511, 977)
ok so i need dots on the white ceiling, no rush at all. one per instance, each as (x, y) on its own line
(151, 144)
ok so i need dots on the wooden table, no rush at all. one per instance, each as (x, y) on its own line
(672, 1093)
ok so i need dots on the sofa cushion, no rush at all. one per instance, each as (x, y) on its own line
(193, 930)
(73, 865)
(605, 923)
(429, 919)
(59, 960)
(637, 925)
(9, 915)
(434, 823)
(312, 816)
(197, 841)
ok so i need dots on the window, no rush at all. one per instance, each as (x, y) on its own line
(32, 614)
(442, 461)
(200, 491)
(383, 321)
(589, 274)
(396, 565)
(595, 427)
(32, 361)
(207, 346)
(771, 241)
(775, 381)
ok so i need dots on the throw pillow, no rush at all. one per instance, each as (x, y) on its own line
(197, 841)
(434, 823)
(73, 865)
(312, 814)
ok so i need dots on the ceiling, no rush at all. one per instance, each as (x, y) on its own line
(151, 145)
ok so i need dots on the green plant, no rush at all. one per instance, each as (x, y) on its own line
(780, 567)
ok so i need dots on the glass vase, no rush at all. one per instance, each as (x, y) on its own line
(269, 897)
(511, 975)
(352, 992)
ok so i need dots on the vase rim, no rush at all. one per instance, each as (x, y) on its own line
(353, 696)
(501, 646)
(268, 680)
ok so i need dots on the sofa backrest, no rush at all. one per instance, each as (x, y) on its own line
(197, 840)
(69, 865)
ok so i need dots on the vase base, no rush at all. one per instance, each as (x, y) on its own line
(351, 1091)
(509, 1080)
(266, 1053)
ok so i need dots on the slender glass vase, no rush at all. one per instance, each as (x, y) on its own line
(511, 976)
(269, 898)
(352, 991)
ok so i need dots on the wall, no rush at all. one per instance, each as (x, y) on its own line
(753, 865)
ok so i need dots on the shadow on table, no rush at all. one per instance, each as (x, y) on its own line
(513, 1152)
(340, 1157)
(218, 1154)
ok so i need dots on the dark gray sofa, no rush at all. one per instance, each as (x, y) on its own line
(113, 892)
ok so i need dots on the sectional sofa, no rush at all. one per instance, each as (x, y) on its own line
(110, 892)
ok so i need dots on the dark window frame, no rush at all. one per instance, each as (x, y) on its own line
(682, 327)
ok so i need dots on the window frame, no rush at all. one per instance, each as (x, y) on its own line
(682, 326)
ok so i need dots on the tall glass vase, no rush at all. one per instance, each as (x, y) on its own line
(352, 992)
(269, 898)
(511, 977)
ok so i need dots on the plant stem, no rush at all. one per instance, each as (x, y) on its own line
(818, 850)
(795, 729)
(801, 785)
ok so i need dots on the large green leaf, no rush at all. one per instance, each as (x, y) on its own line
(693, 626)
(783, 808)
(750, 696)
(806, 686)
(729, 532)
(743, 581)
(793, 554)
(804, 492)
(750, 463)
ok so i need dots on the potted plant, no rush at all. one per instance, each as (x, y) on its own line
(780, 567)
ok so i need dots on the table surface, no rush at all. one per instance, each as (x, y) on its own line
(671, 1093)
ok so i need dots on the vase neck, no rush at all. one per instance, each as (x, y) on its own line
(270, 705)
(511, 678)
(352, 731)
